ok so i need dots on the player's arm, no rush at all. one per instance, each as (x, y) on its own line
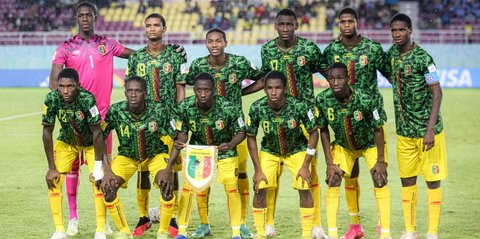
(429, 137)
(254, 87)
(165, 178)
(253, 150)
(56, 68)
(180, 92)
(333, 171)
(237, 125)
(109, 179)
(304, 171)
(126, 53)
(379, 170)
(99, 148)
(52, 176)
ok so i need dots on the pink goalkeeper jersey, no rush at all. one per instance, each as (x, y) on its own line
(93, 59)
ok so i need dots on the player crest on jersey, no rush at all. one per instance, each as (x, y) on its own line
(232, 78)
(408, 70)
(435, 169)
(357, 115)
(79, 115)
(102, 49)
(301, 60)
(219, 124)
(152, 126)
(364, 60)
(292, 124)
(167, 68)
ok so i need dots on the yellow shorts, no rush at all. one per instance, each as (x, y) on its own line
(125, 167)
(167, 140)
(65, 154)
(242, 156)
(345, 158)
(270, 165)
(227, 171)
(412, 161)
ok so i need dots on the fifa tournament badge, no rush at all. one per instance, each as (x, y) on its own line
(199, 164)
(219, 124)
(301, 61)
(167, 68)
(102, 49)
(292, 124)
(357, 115)
(152, 126)
(364, 60)
(232, 78)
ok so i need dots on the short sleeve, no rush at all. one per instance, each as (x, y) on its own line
(237, 119)
(431, 75)
(251, 71)
(373, 114)
(131, 66)
(116, 47)
(252, 121)
(188, 78)
(319, 112)
(181, 116)
(167, 116)
(60, 56)
(49, 111)
(307, 115)
(91, 108)
(316, 61)
(109, 123)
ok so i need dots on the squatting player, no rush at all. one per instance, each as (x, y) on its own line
(79, 118)
(160, 65)
(212, 120)
(139, 125)
(363, 57)
(280, 117)
(417, 96)
(355, 120)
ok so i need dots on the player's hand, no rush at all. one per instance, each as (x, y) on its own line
(181, 51)
(224, 147)
(306, 176)
(258, 177)
(179, 145)
(165, 181)
(109, 182)
(334, 173)
(428, 140)
(379, 173)
(52, 178)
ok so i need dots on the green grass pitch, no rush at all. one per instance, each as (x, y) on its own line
(25, 211)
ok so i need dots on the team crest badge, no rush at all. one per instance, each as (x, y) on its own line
(292, 124)
(232, 78)
(301, 61)
(435, 169)
(408, 70)
(199, 165)
(79, 115)
(219, 124)
(167, 68)
(152, 126)
(364, 60)
(357, 115)
(102, 49)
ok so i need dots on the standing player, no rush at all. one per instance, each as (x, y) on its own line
(92, 56)
(139, 125)
(363, 57)
(212, 120)
(229, 71)
(80, 120)
(417, 96)
(297, 58)
(160, 65)
(280, 117)
(355, 120)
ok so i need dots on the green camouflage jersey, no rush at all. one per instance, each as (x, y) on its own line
(229, 78)
(362, 61)
(353, 123)
(162, 73)
(75, 119)
(139, 136)
(298, 64)
(412, 73)
(219, 125)
(283, 135)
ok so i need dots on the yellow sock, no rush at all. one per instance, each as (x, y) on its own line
(166, 209)
(244, 190)
(352, 194)
(259, 215)
(316, 191)
(100, 208)
(409, 203)
(202, 204)
(271, 201)
(332, 199)
(434, 198)
(115, 209)
(143, 201)
(184, 210)
(383, 205)
(233, 210)
(306, 215)
(55, 198)
(175, 206)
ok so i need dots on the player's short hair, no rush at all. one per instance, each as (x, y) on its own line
(402, 18)
(287, 12)
(348, 10)
(204, 76)
(87, 4)
(338, 65)
(219, 31)
(156, 15)
(69, 73)
(276, 75)
(138, 79)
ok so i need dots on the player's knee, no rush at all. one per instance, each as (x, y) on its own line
(433, 184)
(407, 182)
(110, 196)
(336, 181)
(306, 198)
(260, 198)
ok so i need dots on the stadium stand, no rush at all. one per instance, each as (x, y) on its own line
(247, 21)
